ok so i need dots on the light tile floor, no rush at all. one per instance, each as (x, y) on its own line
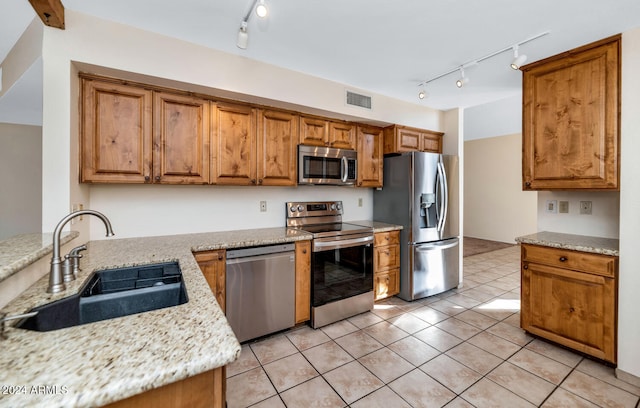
(463, 348)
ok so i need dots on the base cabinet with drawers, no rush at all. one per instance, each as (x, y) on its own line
(386, 264)
(570, 297)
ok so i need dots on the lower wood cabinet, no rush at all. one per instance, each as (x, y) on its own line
(570, 297)
(200, 391)
(386, 264)
(303, 281)
(213, 265)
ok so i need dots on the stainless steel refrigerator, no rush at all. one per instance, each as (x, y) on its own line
(421, 193)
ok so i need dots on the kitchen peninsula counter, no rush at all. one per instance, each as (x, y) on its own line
(103, 362)
(583, 243)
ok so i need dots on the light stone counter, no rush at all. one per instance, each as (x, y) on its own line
(23, 250)
(376, 225)
(584, 243)
(98, 363)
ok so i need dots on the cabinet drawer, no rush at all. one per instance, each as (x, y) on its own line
(386, 257)
(387, 283)
(386, 238)
(562, 258)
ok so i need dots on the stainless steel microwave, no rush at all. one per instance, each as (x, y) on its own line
(326, 165)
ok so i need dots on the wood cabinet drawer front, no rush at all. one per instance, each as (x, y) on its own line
(387, 283)
(386, 238)
(562, 258)
(386, 257)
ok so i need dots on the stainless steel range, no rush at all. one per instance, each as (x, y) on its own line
(341, 261)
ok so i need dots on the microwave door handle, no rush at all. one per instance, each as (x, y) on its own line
(345, 169)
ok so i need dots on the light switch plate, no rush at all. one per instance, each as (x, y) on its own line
(585, 207)
(551, 206)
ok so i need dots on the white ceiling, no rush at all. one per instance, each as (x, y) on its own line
(376, 46)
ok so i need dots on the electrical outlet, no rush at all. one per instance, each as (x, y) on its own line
(360, 202)
(585, 207)
(551, 206)
(263, 206)
(74, 208)
(563, 207)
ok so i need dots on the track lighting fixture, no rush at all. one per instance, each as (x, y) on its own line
(243, 36)
(462, 80)
(518, 60)
(422, 93)
(261, 11)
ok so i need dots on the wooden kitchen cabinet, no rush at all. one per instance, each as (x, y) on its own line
(386, 264)
(571, 135)
(213, 265)
(399, 139)
(303, 281)
(370, 157)
(233, 153)
(277, 141)
(570, 297)
(317, 131)
(116, 139)
(181, 139)
(206, 390)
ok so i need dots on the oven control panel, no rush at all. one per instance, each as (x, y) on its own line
(313, 209)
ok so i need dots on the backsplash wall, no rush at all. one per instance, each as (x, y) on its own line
(147, 210)
(603, 222)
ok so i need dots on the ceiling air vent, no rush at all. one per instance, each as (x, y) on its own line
(362, 101)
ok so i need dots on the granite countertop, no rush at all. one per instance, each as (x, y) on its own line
(376, 225)
(106, 361)
(23, 250)
(584, 243)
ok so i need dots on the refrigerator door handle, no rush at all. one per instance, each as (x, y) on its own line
(438, 246)
(444, 193)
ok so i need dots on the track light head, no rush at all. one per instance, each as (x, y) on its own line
(518, 60)
(422, 93)
(243, 36)
(261, 9)
(462, 80)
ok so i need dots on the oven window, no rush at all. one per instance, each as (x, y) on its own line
(341, 273)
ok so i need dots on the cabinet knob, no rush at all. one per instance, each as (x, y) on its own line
(259, 181)
(571, 310)
(387, 279)
(563, 259)
(253, 181)
(157, 178)
(386, 253)
(387, 237)
(527, 184)
(525, 266)
(304, 251)
(220, 257)
(147, 178)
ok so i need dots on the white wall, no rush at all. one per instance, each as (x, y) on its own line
(88, 42)
(496, 207)
(20, 179)
(629, 278)
(603, 222)
(163, 210)
(499, 118)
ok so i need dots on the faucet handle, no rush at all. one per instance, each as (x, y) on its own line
(71, 265)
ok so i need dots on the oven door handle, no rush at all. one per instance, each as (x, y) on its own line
(337, 244)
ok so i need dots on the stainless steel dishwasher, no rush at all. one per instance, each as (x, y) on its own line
(260, 286)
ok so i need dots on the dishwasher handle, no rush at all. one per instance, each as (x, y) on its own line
(257, 258)
(259, 250)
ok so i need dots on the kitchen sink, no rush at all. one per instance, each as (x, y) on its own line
(113, 293)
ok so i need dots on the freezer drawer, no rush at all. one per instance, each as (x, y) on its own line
(436, 268)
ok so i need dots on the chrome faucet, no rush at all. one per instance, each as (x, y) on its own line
(64, 270)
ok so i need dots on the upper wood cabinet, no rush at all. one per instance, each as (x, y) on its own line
(570, 135)
(317, 131)
(116, 133)
(398, 139)
(181, 139)
(277, 141)
(234, 144)
(370, 157)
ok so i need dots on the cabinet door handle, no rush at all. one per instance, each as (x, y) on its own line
(563, 259)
